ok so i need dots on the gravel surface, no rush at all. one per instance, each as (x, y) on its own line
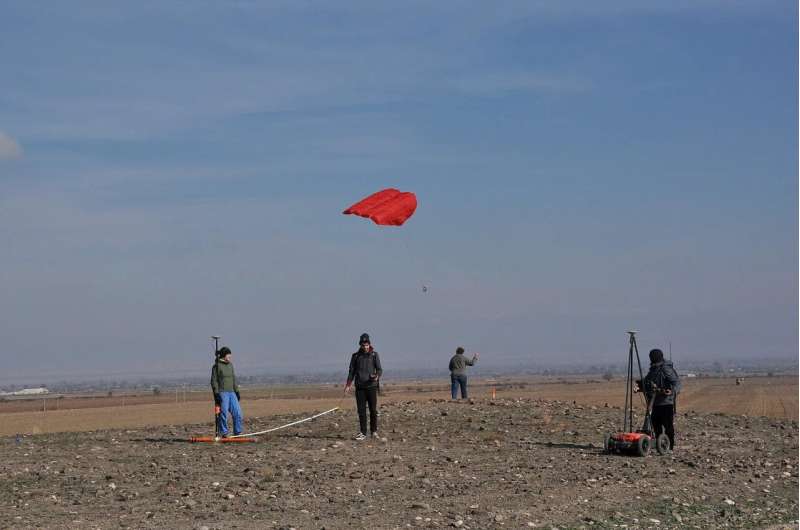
(515, 463)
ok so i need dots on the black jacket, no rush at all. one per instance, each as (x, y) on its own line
(365, 369)
(662, 376)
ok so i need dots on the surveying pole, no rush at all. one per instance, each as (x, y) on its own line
(217, 409)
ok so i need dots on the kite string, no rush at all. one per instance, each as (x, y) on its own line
(284, 426)
(414, 261)
(337, 407)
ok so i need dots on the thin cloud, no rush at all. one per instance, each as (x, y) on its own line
(518, 82)
(9, 148)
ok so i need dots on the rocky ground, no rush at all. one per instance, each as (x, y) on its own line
(503, 464)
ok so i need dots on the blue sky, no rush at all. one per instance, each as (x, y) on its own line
(173, 170)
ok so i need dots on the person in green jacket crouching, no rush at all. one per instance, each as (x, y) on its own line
(226, 393)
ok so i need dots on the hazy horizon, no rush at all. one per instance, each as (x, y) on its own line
(169, 172)
(392, 370)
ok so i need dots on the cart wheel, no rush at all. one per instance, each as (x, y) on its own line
(608, 443)
(643, 446)
(662, 444)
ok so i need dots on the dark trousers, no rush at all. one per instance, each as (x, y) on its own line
(366, 396)
(663, 421)
(456, 382)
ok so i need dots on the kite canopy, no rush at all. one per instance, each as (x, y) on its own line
(386, 207)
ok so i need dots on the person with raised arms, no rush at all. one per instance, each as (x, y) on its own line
(458, 372)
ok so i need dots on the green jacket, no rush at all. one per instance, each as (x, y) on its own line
(459, 363)
(223, 378)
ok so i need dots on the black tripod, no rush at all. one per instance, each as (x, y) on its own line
(661, 439)
(629, 440)
(631, 386)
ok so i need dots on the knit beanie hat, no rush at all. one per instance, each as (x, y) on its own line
(656, 356)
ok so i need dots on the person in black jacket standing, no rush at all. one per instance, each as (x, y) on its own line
(365, 371)
(662, 384)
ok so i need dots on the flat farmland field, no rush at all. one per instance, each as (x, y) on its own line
(530, 457)
(773, 397)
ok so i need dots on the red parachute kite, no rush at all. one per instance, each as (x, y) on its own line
(386, 207)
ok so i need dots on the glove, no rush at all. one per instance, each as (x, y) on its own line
(238, 397)
(217, 400)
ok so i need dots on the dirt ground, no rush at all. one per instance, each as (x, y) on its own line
(513, 462)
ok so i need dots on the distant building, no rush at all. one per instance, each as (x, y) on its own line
(689, 374)
(27, 392)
